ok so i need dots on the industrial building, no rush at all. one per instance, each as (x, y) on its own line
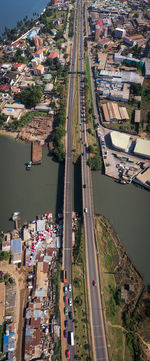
(120, 140)
(121, 76)
(112, 112)
(142, 148)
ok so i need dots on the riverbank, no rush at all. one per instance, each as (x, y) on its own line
(13, 135)
(123, 297)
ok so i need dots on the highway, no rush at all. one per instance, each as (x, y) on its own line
(95, 305)
(67, 236)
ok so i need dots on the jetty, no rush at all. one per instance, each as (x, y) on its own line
(36, 152)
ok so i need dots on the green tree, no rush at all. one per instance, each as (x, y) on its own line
(30, 97)
(95, 163)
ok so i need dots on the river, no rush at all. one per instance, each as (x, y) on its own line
(12, 11)
(30, 192)
(41, 189)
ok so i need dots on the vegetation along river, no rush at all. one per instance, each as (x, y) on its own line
(41, 189)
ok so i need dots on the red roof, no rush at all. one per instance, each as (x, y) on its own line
(39, 51)
(17, 65)
(99, 22)
(4, 87)
(53, 55)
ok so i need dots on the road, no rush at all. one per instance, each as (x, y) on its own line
(67, 237)
(96, 314)
(95, 305)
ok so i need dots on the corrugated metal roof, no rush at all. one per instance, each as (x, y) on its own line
(16, 245)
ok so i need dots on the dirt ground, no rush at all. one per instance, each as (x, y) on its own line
(19, 275)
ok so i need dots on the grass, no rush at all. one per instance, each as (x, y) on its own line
(76, 144)
(87, 67)
(111, 257)
(81, 314)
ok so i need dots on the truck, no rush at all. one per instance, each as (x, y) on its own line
(65, 276)
(71, 338)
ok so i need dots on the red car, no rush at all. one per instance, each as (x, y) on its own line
(67, 354)
(94, 283)
(65, 299)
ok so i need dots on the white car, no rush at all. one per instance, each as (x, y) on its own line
(85, 210)
(70, 287)
(70, 301)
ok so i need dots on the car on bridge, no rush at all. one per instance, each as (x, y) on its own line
(67, 354)
(66, 311)
(94, 283)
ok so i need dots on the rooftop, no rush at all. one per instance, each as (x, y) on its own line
(142, 147)
(16, 245)
(120, 140)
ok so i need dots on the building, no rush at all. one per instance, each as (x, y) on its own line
(48, 88)
(6, 243)
(2, 302)
(105, 113)
(39, 54)
(39, 70)
(16, 249)
(121, 76)
(102, 57)
(97, 32)
(40, 225)
(137, 116)
(14, 110)
(119, 33)
(120, 140)
(19, 67)
(118, 57)
(143, 178)
(147, 68)
(147, 49)
(124, 114)
(142, 148)
(32, 34)
(53, 55)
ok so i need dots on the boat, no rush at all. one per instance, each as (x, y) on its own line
(121, 181)
(28, 165)
(15, 214)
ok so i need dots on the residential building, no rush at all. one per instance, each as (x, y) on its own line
(147, 68)
(119, 33)
(39, 54)
(39, 70)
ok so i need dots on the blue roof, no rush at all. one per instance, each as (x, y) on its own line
(16, 245)
(32, 34)
(6, 338)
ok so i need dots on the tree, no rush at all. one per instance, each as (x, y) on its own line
(95, 163)
(30, 97)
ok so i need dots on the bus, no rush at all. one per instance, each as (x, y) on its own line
(65, 276)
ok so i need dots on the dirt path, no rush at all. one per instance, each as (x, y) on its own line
(19, 275)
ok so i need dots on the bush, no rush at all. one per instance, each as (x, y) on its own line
(95, 163)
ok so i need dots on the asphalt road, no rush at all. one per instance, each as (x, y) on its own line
(95, 305)
(97, 325)
(68, 189)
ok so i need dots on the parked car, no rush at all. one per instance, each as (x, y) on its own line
(65, 333)
(70, 315)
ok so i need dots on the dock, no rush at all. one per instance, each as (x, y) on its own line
(36, 152)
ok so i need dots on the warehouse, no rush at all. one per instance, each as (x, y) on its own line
(142, 148)
(123, 113)
(120, 140)
(105, 113)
